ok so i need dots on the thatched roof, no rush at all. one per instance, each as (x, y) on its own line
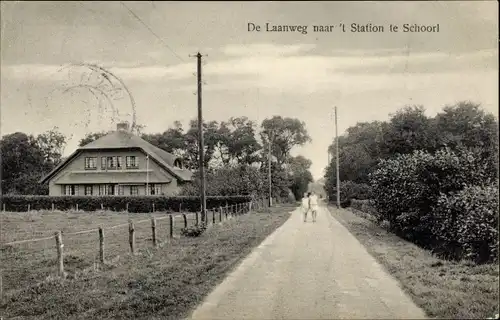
(122, 139)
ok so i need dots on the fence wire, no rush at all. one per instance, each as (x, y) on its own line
(26, 260)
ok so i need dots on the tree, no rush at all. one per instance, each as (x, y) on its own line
(466, 126)
(300, 175)
(90, 137)
(408, 130)
(171, 140)
(284, 134)
(51, 144)
(23, 164)
(238, 134)
(191, 139)
(359, 151)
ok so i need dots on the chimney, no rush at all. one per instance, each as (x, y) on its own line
(122, 126)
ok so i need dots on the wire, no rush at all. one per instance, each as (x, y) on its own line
(151, 30)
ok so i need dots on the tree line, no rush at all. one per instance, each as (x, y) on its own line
(235, 158)
(434, 180)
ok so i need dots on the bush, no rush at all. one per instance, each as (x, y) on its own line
(350, 190)
(193, 231)
(408, 188)
(239, 179)
(441, 201)
(467, 222)
(118, 203)
(365, 206)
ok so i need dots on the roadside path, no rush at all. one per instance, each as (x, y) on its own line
(309, 271)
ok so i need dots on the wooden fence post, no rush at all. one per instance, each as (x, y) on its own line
(197, 218)
(213, 216)
(60, 255)
(101, 244)
(171, 230)
(131, 236)
(220, 214)
(102, 206)
(3, 207)
(180, 207)
(126, 207)
(184, 217)
(29, 207)
(77, 207)
(52, 206)
(226, 211)
(153, 207)
(153, 230)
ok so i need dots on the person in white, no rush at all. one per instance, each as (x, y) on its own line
(313, 205)
(305, 206)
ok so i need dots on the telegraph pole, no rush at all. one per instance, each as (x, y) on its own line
(337, 156)
(201, 144)
(269, 171)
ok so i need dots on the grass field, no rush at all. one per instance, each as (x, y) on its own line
(25, 263)
(162, 283)
(444, 289)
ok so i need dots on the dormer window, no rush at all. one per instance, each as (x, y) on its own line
(178, 163)
(131, 162)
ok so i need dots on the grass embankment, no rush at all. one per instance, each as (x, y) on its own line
(163, 283)
(444, 289)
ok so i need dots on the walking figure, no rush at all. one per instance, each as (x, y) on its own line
(305, 205)
(313, 204)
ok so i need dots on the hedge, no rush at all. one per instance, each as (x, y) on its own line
(349, 191)
(136, 204)
(467, 223)
(365, 206)
(443, 201)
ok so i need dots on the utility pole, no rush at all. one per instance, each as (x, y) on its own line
(201, 144)
(269, 170)
(337, 156)
(147, 175)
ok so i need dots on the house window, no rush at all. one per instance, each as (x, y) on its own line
(106, 189)
(155, 189)
(111, 162)
(134, 190)
(88, 190)
(110, 190)
(131, 162)
(103, 163)
(71, 190)
(120, 190)
(90, 163)
(119, 162)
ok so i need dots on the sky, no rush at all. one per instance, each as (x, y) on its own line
(257, 74)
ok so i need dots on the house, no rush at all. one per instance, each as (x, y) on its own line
(119, 163)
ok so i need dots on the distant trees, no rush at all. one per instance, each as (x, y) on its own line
(284, 134)
(458, 127)
(27, 158)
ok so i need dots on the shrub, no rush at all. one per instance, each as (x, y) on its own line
(193, 231)
(117, 203)
(351, 190)
(467, 221)
(408, 188)
(240, 179)
(365, 206)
